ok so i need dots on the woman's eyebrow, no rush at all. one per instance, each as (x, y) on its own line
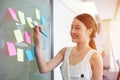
(77, 25)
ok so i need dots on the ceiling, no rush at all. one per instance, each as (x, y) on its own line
(104, 8)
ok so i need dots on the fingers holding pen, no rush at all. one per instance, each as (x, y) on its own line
(37, 28)
(37, 36)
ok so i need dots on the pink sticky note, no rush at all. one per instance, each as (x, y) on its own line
(11, 48)
(27, 37)
(13, 13)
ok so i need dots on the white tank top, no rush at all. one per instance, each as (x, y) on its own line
(82, 70)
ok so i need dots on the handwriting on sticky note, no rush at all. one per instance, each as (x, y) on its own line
(21, 17)
(29, 20)
(18, 35)
(43, 20)
(11, 48)
(20, 55)
(13, 13)
(29, 55)
(37, 14)
(27, 37)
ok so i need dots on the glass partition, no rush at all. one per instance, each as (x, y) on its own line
(17, 55)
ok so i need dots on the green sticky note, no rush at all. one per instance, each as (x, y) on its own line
(21, 17)
(18, 35)
(37, 14)
(29, 21)
(20, 55)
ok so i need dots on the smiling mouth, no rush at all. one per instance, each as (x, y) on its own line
(74, 37)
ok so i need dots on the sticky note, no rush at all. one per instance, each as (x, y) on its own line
(18, 35)
(29, 55)
(27, 37)
(35, 22)
(13, 13)
(43, 20)
(20, 55)
(34, 51)
(11, 48)
(29, 21)
(21, 17)
(37, 14)
(17, 24)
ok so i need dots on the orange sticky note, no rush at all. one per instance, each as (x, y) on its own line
(27, 37)
(11, 48)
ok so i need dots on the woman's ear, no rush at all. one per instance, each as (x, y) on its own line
(89, 31)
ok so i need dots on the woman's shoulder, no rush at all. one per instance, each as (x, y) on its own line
(96, 57)
(63, 50)
(96, 54)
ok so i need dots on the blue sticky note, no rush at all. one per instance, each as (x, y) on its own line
(29, 55)
(43, 20)
(34, 51)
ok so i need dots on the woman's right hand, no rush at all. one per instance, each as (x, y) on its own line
(37, 36)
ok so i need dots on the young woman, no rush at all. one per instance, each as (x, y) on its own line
(80, 62)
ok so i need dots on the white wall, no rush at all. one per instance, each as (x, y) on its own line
(62, 21)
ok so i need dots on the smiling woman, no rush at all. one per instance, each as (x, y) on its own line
(81, 61)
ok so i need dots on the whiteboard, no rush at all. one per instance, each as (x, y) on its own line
(10, 68)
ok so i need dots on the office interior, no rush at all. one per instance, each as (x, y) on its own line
(59, 15)
(107, 16)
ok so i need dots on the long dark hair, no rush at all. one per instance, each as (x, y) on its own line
(89, 22)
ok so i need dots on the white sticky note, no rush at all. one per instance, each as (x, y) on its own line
(21, 17)
(29, 21)
(37, 13)
(20, 55)
(18, 36)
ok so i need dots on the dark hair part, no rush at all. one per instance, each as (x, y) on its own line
(89, 22)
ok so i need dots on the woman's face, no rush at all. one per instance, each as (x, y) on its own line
(79, 32)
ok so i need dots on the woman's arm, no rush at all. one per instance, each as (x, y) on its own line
(44, 66)
(97, 66)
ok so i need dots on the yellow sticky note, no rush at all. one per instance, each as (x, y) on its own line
(29, 21)
(21, 17)
(18, 35)
(20, 55)
(37, 13)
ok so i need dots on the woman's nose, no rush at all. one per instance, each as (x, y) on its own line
(72, 30)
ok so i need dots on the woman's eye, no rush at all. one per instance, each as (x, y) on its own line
(71, 27)
(77, 28)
